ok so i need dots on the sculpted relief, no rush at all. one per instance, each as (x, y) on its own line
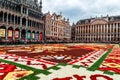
(99, 21)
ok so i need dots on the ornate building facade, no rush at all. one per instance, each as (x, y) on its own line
(99, 29)
(57, 29)
(21, 20)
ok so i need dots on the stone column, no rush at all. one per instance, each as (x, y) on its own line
(85, 33)
(14, 20)
(101, 32)
(87, 29)
(18, 20)
(98, 32)
(3, 17)
(104, 33)
(75, 34)
(10, 19)
(6, 33)
(90, 27)
(114, 31)
(96, 26)
(107, 32)
(85, 37)
(7, 19)
(27, 24)
(117, 31)
(88, 35)
(13, 33)
(80, 32)
(21, 21)
(110, 33)
(6, 36)
(91, 31)
(94, 32)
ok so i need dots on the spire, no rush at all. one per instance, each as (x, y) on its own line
(36, 1)
(40, 5)
(68, 19)
(73, 24)
(60, 13)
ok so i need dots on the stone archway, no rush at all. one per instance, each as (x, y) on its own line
(23, 34)
(1, 16)
(29, 35)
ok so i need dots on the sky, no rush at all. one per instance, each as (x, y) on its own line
(82, 9)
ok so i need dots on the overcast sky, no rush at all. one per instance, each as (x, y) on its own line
(82, 9)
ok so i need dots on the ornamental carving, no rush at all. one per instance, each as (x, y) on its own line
(99, 21)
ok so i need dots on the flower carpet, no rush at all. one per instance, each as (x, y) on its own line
(60, 62)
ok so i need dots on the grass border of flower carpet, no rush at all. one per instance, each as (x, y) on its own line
(96, 65)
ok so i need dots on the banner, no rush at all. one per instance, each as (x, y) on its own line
(10, 33)
(41, 37)
(2, 32)
(33, 35)
(16, 34)
(36, 36)
(29, 35)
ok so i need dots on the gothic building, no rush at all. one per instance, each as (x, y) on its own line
(21, 20)
(57, 28)
(99, 29)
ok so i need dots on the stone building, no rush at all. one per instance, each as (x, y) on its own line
(99, 29)
(57, 29)
(21, 20)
